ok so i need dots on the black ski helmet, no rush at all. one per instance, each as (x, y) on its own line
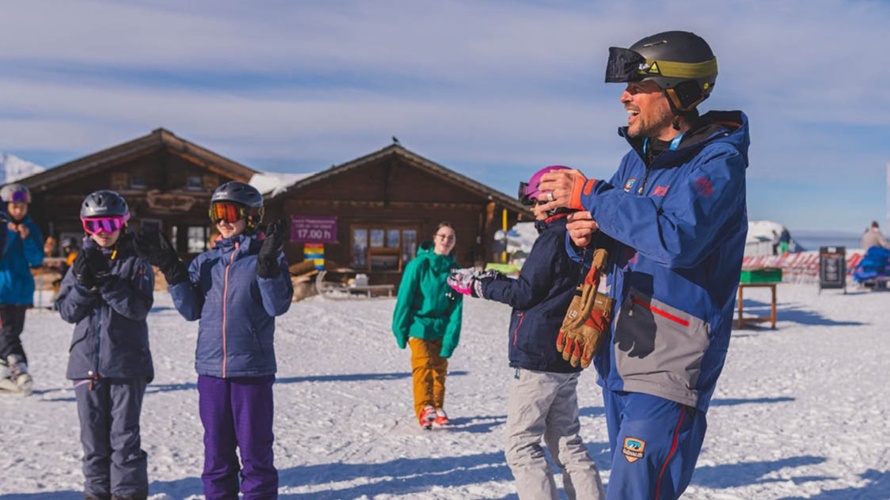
(104, 203)
(15, 193)
(243, 194)
(679, 62)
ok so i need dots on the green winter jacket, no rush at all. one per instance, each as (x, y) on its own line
(427, 308)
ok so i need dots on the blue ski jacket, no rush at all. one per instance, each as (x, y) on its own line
(110, 337)
(16, 281)
(540, 298)
(679, 225)
(236, 308)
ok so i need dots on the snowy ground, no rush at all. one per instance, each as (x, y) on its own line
(800, 412)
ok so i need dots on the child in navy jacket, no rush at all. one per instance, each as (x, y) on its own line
(235, 291)
(108, 295)
(543, 400)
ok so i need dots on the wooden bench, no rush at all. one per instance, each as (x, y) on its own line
(742, 321)
(370, 289)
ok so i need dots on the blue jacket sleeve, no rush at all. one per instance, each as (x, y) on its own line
(678, 230)
(278, 292)
(131, 296)
(33, 245)
(188, 298)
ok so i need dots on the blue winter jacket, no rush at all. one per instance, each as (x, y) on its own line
(236, 308)
(540, 298)
(16, 281)
(680, 227)
(111, 334)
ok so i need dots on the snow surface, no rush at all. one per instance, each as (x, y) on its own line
(800, 412)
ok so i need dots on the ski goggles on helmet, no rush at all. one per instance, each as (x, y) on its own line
(627, 65)
(523, 196)
(229, 212)
(20, 197)
(96, 225)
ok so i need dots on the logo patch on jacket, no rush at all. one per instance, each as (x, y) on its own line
(660, 190)
(704, 187)
(629, 184)
(633, 449)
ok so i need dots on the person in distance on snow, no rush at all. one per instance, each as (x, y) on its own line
(23, 250)
(427, 317)
(235, 290)
(543, 399)
(676, 211)
(108, 294)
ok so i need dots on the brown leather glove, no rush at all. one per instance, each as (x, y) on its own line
(586, 323)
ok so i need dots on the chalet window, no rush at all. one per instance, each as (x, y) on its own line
(195, 183)
(119, 181)
(196, 238)
(137, 181)
(382, 248)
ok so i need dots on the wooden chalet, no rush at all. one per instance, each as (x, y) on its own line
(371, 213)
(167, 182)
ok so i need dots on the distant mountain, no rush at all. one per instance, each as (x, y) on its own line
(13, 168)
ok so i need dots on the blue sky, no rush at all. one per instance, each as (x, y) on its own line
(492, 89)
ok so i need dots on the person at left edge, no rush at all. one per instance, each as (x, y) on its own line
(24, 250)
(108, 294)
(235, 290)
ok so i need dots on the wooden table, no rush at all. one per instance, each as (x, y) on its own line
(742, 321)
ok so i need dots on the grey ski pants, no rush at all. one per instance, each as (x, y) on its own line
(545, 405)
(113, 459)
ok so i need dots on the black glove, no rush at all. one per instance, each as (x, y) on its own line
(157, 250)
(91, 267)
(267, 259)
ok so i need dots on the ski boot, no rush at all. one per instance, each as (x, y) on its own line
(18, 370)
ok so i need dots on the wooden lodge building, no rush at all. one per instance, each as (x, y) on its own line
(367, 215)
(167, 182)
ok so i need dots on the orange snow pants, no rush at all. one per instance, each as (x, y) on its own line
(428, 370)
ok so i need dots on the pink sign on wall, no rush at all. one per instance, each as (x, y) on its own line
(306, 229)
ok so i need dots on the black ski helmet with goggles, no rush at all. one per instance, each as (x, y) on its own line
(679, 62)
(246, 197)
(104, 203)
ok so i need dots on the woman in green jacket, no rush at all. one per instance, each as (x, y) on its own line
(428, 317)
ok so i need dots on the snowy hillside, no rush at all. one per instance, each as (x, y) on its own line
(800, 412)
(13, 168)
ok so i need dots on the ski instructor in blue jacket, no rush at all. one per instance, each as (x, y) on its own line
(676, 212)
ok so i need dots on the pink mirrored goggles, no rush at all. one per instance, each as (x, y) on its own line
(96, 225)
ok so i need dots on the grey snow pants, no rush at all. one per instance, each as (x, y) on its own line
(545, 405)
(113, 460)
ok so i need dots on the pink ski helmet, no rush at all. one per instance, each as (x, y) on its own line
(529, 192)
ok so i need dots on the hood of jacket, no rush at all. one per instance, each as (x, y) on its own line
(438, 263)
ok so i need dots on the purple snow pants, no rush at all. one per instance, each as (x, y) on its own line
(237, 412)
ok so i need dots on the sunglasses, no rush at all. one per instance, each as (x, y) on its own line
(104, 224)
(229, 212)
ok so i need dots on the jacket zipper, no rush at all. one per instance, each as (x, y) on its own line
(225, 307)
(516, 330)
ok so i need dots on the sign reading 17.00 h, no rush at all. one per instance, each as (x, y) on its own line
(306, 229)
